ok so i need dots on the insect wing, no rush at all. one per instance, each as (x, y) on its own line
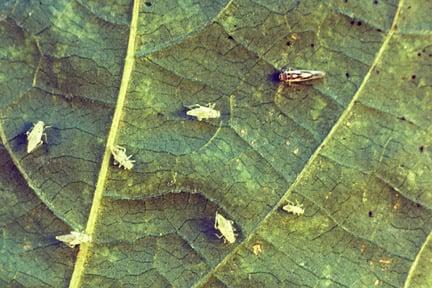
(213, 113)
(68, 239)
(74, 238)
(226, 228)
(195, 112)
(203, 112)
(34, 136)
(287, 208)
(208, 112)
(292, 76)
(200, 113)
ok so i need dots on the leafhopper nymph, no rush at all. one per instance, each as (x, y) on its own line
(226, 228)
(296, 209)
(203, 112)
(120, 157)
(34, 136)
(297, 76)
(74, 238)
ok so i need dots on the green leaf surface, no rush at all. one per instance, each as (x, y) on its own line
(354, 149)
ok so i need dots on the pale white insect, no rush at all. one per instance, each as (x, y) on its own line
(296, 209)
(203, 112)
(120, 157)
(296, 76)
(226, 228)
(257, 248)
(74, 238)
(34, 136)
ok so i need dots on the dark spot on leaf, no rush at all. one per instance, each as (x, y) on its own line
(419, 54)
(347, 75)
(421, 148)
(359, 23)
(402, 118)
(370, 213)
(379, 30)
(413, 77)
(375, 2)
(230, 37)
(148, 4)
(346, 1)
(312, 45)
(289, 43)
(418, 205)
(377, 72)
(352, 22)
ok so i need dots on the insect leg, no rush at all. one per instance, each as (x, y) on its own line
(45, 136)
(193, 106)
(30, 130)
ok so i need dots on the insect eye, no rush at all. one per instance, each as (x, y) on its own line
(283, 76)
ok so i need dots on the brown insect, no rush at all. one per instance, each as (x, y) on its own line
(297, 76)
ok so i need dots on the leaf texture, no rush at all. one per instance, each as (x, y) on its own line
(354, 149)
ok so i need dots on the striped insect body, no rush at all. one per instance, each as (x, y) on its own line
(34, 136)
(203, 112)
(296, 209)
(297, 76)
(74, 238)
(226, 228)
(120, 157)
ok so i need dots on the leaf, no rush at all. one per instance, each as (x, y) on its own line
(354, 149)
(419, 273)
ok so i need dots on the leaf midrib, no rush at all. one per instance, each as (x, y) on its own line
(103, 172)
(201, 282)
(409, 281)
